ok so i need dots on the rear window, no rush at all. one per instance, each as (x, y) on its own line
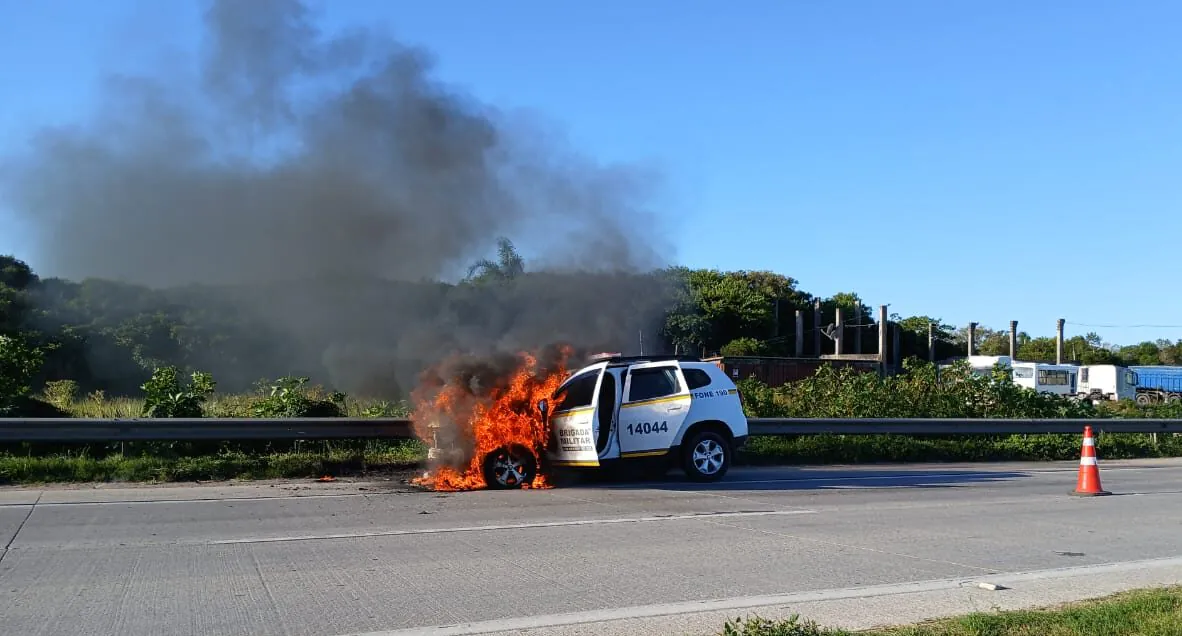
(649, 384)
(696, 378)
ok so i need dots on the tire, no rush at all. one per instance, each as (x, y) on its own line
(706, 457)
(509, 467)
(1144, 399)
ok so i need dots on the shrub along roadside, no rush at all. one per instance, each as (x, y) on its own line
(922, 392)
(919, 392)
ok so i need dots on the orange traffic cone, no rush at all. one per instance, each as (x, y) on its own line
(1088, 483)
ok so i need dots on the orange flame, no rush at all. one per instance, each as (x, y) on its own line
(478, 424)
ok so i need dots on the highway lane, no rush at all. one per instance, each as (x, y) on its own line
(351, 557)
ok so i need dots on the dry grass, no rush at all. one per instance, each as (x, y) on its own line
(98, 406)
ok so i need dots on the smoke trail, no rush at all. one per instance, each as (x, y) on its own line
(323, 177)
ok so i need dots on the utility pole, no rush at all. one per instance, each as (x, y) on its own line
(817, 328)
(1013, 340)
(799, 333)
(1059, 341)
(931, 342)
(882, 339)
(858, 327)
(972, 337)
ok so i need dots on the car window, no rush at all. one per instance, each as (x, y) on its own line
(579, 393)
(696, 378)
(648, 384)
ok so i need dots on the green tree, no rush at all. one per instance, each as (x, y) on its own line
(508, 266)
(686, 326)
(913, 338)
(743, 347)
(1143, 353)
(15, 273)
(19, 364)
(716, 307)
(16, 279)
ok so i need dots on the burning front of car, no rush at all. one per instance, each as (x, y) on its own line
(479, 415)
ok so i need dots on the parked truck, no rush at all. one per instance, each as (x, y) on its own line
(1156, 385)
(1107, 382)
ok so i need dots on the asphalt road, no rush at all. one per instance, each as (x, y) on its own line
(849, 546)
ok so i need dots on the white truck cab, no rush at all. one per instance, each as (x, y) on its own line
(682, 409)
(1107, 382)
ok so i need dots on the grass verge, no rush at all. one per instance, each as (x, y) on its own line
(1153, 612)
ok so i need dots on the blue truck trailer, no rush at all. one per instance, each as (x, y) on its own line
(1156, 385)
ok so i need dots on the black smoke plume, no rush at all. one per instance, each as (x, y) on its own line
(322, 183)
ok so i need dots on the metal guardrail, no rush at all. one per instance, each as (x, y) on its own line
(934, 426)
(225, 429)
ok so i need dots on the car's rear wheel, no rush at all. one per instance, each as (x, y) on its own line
(706, 457)
(509, 467)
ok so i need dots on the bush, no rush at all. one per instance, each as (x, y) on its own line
(289, 398)
(61, 393)
(384, 408)
(743, 347)
(920, 391)
(793, 626)
(165, 397)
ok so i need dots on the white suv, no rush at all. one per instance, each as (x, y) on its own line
(681, 409)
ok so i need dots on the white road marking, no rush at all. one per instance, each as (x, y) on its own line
(748, 602)
(256, 498)
(518, 526)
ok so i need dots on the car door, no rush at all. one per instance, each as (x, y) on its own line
(610, 391)
(572, 424)
(656, 403)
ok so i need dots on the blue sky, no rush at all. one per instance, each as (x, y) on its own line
(972, 161)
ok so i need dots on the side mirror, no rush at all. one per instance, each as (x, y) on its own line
(543, 407)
